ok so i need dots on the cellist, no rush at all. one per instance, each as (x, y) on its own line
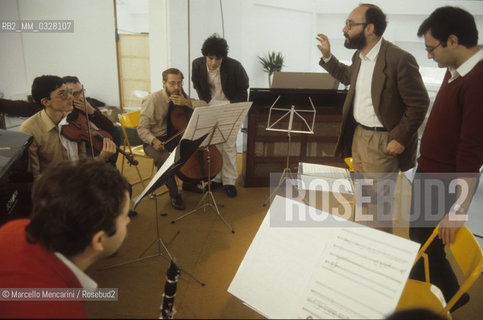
(153, 126)
(49, 147)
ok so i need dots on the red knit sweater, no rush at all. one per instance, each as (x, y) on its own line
(453, 138)
(25, 265)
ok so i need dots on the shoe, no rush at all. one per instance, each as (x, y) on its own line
(192, 188)
(178, 203)
(132, 213)
(230, 190)
(461, 302)
(215, 185)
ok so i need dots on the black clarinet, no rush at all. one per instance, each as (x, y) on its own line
(172, 276)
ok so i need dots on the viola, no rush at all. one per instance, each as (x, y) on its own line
(78, 130)
(196, 168)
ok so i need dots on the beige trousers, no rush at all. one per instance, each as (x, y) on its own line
(378, 170)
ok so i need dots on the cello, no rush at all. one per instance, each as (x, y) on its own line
(203, 160)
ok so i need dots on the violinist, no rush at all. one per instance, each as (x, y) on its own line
(153, 126)
(49, 147)
(95, 116)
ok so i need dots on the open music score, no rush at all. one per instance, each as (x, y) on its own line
(228, 117)
(336, 179)
(339, 270)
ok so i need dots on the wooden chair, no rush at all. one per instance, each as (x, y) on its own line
(469, 257)
(131, 120)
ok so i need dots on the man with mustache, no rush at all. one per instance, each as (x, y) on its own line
(385, 105)
(153, 126)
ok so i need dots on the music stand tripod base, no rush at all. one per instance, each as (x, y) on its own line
(160, 243)
(207, 200)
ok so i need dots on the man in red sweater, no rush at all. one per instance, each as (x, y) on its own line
(80, 215)
(452, 142)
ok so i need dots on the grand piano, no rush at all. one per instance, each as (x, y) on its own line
(267, 150)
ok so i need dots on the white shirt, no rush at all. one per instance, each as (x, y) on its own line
(466, 67)
(85, 281)
(70, 146)
(214, 81)
(363, 108)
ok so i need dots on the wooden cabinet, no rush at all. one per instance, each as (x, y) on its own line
(267, 150)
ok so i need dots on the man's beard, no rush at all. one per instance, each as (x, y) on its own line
(175, 92)
(356, 42)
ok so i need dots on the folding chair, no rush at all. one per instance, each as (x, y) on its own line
(469, 257)
(131, 120)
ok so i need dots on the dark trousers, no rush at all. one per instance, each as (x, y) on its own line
(159, 158)
(428, 206)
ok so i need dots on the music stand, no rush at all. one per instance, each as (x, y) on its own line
(222, 124)
(309, 129)
(181, 153)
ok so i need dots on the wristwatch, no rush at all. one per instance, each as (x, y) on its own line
(458, 208)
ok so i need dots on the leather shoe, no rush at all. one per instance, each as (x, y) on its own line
(191, 187)
(465, 297)
(132, 213)
(178, 203)
(230, 190)
(215, 185)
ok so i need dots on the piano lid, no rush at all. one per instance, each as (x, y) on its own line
(12, 145)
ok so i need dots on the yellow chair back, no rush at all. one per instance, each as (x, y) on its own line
(130, 119)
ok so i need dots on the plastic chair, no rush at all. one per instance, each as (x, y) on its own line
(131, 120)
(469, 257)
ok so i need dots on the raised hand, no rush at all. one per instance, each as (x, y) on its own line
(324, 45)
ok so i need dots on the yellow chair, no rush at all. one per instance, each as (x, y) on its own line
(469, 257)
(131, 120)
(348, 162)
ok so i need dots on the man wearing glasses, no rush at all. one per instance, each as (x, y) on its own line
(49, 147)
(95, 116)
(385, 105)
(153, 126)
(452, 142)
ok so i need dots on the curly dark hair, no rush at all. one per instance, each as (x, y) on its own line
(73, 201)
(215, 46)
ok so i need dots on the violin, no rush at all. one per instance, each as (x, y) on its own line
(196, 167)
(79, 130)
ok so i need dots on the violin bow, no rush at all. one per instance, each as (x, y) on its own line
(88, 123)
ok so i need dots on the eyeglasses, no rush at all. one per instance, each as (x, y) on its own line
(175, 83)
(349, 24)
(77, 93)
(430, 49)
(63, 94)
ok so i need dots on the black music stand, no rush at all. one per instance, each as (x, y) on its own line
(221, 124)
(177, 158)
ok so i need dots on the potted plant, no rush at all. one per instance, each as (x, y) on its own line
(271, 63)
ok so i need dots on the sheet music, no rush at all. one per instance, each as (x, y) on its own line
(360, 276)
(228, 116)
(325, 178)
(161, 171)
(302, 272)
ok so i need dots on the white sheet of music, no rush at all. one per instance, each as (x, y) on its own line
(346, 272)
(229, 118)
(158, 174)
(337, 179)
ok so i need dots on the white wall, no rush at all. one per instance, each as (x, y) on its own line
(88, 53)
(252, 27)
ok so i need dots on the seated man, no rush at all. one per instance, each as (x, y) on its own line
(153, 125)
(95, 116)
(80, 215)
(49, 147)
